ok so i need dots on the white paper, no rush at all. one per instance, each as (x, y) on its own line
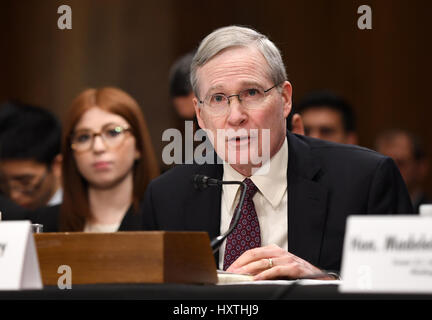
(302, 282)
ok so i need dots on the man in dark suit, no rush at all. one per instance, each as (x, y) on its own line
(298, 196)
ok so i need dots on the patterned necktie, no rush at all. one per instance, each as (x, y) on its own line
(247, 234)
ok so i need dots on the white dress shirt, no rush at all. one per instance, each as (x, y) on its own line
(271, 202)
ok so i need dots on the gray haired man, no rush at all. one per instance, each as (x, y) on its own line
(292, 223)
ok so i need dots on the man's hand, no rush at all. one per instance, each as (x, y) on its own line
(273, 262)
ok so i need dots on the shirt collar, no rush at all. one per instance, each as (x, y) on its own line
(272, 184)
(57, 198)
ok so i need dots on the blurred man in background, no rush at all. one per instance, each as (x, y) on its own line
(180, 87)
(327, 116)
(181, 94)
(30, 159)
(409, 154)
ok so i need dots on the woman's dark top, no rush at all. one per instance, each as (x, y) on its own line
(49, 217)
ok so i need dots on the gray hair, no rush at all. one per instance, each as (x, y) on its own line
(233, 36)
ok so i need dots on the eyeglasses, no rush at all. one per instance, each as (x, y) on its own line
(24, 185)
(112, 135)
(251, 98)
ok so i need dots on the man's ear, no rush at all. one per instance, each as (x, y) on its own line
(56, 165)
(198, 111)
(287, 98)
(297, 124)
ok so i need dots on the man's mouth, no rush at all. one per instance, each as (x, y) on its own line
(239, 142)
(238, 139)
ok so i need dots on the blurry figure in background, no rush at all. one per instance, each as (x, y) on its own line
(12, 211)
(181, 94)
(408, 152)
(180, 87)
(30, 160)
(108, 160)
(329, 117)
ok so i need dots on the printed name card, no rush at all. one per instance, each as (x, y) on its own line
(387, 254)
(19, 265)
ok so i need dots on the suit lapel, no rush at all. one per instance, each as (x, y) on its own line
(307, 202)
(131, 221)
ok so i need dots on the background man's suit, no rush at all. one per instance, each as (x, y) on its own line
(326, 183)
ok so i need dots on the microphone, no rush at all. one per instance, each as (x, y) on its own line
(202, 182)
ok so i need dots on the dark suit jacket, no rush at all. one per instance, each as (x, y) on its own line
(326, 183)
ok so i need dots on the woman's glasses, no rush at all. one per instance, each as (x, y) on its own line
(112, 135)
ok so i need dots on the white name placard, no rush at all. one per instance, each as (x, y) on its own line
(19, 265)
(387, 254)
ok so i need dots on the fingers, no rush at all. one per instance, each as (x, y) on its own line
(253, 267)
(255, 260)
(277, 272)
(288, 271)
(292, 268)
(292, 272)
(283, 265)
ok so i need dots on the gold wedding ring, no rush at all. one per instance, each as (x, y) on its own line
(270, 260)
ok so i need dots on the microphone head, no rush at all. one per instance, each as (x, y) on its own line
(200, 181)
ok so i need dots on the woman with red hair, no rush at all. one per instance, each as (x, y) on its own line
(108, 161)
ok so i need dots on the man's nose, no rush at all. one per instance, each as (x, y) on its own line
(15, 195)
(237, 113)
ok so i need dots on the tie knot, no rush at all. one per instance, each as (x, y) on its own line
(251, 188)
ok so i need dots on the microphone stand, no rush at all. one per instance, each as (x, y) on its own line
(204, 182)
